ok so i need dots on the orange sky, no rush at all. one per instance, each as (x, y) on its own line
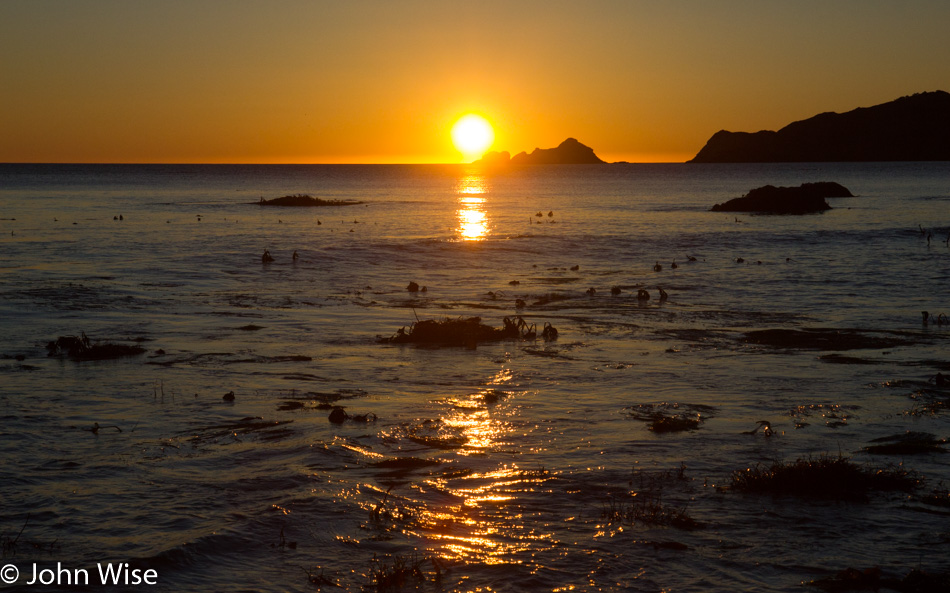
(379, 81)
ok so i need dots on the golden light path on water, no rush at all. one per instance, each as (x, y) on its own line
(473, 219)
(485, 524)
(462, 515)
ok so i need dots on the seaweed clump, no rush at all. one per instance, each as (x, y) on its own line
(394, 573)
(461, 331)
(304, 200)
(81, 348)
(671, 417)
(649, 510)
(825, 477)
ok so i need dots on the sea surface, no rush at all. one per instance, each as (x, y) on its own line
(516, 465)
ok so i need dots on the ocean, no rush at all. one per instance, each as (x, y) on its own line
(514, 465)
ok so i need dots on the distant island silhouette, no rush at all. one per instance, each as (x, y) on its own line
(804, 199)
(912, 128)
(569, 152)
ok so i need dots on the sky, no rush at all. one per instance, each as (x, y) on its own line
(382, 81)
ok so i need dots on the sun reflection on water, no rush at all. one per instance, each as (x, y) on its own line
(473, 219)
(467, 509)
(485, 522)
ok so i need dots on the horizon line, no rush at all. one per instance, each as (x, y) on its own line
(286, 164)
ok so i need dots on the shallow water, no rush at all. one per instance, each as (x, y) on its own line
(493, 468)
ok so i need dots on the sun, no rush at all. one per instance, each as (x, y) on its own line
(472, 136)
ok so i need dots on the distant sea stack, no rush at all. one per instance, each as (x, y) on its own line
(914, 128)
(804, 199)
(569, 152)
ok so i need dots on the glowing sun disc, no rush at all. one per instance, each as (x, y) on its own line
(472, 135)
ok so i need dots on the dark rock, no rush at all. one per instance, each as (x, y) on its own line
(569, 152)
(228, 397)
(494, 159)
(337, 415)
(914, 128)
(804, 199)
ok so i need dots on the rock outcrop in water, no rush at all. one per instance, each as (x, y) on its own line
(914, 128)
(569, 152)
(804, 199)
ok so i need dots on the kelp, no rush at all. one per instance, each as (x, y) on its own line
(671, 417)
(304, 200)
(460, 331)
(823, 477)
(80, 348)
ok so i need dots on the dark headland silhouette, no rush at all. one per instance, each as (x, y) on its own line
(804, 199)
(913, 128)
(569, 152)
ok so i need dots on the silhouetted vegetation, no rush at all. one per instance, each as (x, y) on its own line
(648, 508)
(937, 498)
(671, 417)
(823, 477)
(394, 573)
(81, 348)
(304, 200)
(461, 331)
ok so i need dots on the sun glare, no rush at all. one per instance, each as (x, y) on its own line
(472, 136)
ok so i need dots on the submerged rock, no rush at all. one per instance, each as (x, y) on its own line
(821, 339)
(908, 443)
(804, 199)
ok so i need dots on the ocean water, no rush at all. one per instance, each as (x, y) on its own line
(518, 465)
